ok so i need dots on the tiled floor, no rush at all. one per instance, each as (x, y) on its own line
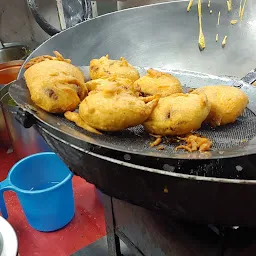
(87, 226)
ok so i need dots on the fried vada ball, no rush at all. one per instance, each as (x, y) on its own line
(114, 109)
(41, 58)
(55, 86)
(103, 83)
(104, 67)
(227, 103)
(178, 114)
(160, 83)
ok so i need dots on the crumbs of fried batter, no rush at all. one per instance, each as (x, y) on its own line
(161, 147)
(39, 59)
(195, 142)
(191, 90)
(156, 142)
(150, 98)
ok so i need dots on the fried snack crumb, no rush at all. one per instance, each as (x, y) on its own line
(195, 142)
(233, 22)
(191, 90)
(161, 147)
(156, 142)
(39, 59)
(150, 98)
(74, 117)
(155, 135)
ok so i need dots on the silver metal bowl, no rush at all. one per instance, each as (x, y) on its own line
(23, 141)
(14, 52)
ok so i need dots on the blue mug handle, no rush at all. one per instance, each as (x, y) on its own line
(4, 185)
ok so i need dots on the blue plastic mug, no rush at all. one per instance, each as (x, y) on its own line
(43, 184)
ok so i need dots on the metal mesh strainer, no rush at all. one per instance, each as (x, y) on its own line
(229, 140)
(137, 139)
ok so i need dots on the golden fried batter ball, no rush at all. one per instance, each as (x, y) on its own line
(178, 114)
(101, 84)
(41, 58)
(104, 67)
(160, 83)
(227, 103)
(114, 109)
(55, 86)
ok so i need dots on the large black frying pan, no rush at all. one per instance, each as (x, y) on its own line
(218, 188)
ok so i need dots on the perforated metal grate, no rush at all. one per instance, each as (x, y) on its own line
(136, 138)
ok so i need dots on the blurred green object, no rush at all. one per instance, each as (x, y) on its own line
(11, 103)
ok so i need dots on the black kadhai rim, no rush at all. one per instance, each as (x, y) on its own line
(231, 140)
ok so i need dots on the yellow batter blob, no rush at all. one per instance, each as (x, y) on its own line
(217, 38)
(229, 4)
(224, 42)
(233, 22)
(190, 5)
(242, 11)
(201, 39)
(240, 8)
(218, 23)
